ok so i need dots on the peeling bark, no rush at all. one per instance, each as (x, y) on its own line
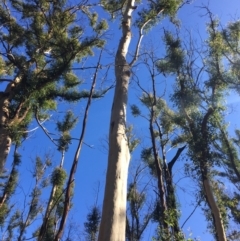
(113, 223)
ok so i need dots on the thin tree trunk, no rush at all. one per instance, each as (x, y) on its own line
(161, 188)
(113, 222)
(49, 207)
(43, 228)
(171, 195)
(159, 169)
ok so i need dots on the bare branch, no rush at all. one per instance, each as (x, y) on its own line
(75, 161)
(191, 214)
(140, 40)
(45, 130)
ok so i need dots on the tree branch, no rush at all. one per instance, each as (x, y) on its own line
(191, 213)
(171, 163)
(140, 40)
(66, 204)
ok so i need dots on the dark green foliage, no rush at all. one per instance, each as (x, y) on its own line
(8, 188)
(137, 220)
(18, 221)
(156, 10)
(49, 236)
(147, 157)
(91, 226)
(113, 6)
(68, 122)
(58, 201)
(162, 126)
(230, 157)
(64, 141)
(134, 197)
(13, 177)
(49, 42)
(3, 212)
(11, 185)
(151, 13)
(14, 222)
(58, 177)
(135, 110)
(64, 127)
(237, 139)
(174, 55)
(201, 113)
(132, 140)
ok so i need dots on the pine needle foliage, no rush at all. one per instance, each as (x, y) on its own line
(162, 126)
(40, 41)
(64, 127)
(91, 226)
(201, 114)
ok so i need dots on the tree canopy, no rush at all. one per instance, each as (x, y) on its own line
(73, 72)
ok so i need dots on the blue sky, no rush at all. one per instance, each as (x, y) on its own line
(93, 160)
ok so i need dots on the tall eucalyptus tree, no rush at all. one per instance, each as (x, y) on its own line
(113, 222)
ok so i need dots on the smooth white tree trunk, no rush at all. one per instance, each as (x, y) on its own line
(113, 222)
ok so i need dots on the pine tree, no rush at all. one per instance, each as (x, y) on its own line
(39, 43)
(54, 208)
(92, 224)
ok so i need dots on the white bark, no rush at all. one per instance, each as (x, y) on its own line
(113, 223)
